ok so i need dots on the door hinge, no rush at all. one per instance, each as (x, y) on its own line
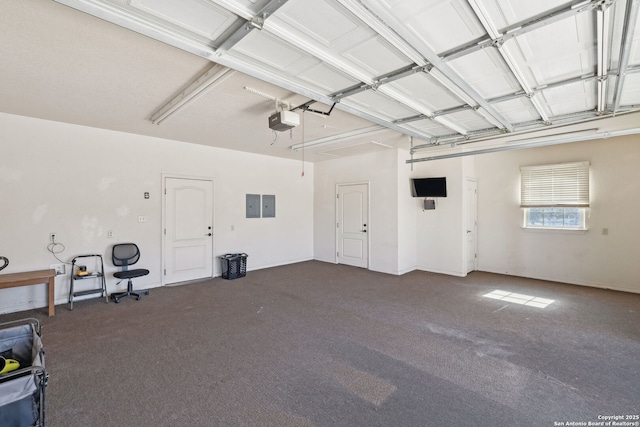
(165, 231)
(337, 225)
(337, 254)
(165, 271)
(337, 196)
(165, 191)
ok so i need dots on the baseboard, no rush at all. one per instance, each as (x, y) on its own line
(260, 267)
(568, 282)
(30, 305)
(406, 270)
(382, 271)
(330, 261)
(447, 272)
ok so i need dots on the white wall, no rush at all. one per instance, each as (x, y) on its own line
(380, 170)
(440, 239)
(403, 236)
(80, 182)
(586, 258)
(407, 217)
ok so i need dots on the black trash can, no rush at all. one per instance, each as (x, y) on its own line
(234, 266)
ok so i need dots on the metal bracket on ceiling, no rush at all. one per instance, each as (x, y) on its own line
(323, 113)
(257, 21)
(571, 9)
(254, 23)
(411, 119)
(604, 4)
(305, 107)
(411, 152)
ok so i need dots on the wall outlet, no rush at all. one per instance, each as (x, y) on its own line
(109, 234)
(59, 268)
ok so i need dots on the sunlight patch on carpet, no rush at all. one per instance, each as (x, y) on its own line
(522, 299)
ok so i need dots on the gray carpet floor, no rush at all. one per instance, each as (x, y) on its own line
(316, 344)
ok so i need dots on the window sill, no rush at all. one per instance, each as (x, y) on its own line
(556, 230)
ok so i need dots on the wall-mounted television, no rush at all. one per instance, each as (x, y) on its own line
(429, 187)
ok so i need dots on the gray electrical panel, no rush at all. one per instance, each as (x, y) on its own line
(268, 206)
(253, 206)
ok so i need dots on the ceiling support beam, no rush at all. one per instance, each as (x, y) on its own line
(411, 119)
(558, 14)
(403, 72)
(630, 18)
(332, 139)
(287, 84)
(537, 125)
(375, 14)
(390, 34)
(603, 21)
(455, 139)
(369, 82)
(534, 142)
(252, 22)
(118, 16)
(510, 97)
(446, 76)
(519, 94)
(494, 34)
(121, 17)
(633, 69)
(208, 80)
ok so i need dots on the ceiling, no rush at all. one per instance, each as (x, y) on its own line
(363, 75)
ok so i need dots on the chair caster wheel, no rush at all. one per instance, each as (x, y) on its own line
(138, 298)
(117, 300)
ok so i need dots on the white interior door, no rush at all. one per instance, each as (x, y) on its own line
(188, 233)
(472, 224)
(353, 224)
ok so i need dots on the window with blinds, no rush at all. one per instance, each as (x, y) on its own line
(560, 185)
(555, 196)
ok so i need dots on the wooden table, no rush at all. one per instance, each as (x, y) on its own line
(32, 278)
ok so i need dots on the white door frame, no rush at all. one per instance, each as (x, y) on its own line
(164, 217)
(475, 224)
(337, 218)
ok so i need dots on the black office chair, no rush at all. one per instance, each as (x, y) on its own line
(124, 255)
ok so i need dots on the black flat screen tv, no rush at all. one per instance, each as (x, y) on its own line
(429, 187)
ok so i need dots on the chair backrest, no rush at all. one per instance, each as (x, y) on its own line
(125, 254)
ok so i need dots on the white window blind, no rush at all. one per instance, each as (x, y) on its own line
(560, 185)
